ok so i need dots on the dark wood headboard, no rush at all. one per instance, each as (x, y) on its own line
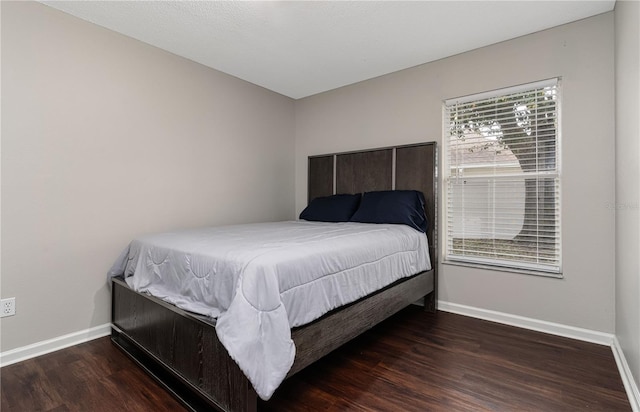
(407, 167)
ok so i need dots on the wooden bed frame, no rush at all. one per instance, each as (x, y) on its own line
(181, 350)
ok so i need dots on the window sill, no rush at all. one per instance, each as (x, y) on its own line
(504, 269)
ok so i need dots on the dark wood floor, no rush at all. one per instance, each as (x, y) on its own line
(413, 362)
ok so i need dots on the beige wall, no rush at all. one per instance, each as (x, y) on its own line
(405, 107)
(627, 35)
(105, 138)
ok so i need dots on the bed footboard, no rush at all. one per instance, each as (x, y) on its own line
(181, 351)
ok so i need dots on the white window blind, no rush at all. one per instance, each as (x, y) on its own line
(502, 178)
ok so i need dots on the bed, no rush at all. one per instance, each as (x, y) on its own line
(181, 348)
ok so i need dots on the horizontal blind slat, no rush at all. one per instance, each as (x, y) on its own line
(502, 181)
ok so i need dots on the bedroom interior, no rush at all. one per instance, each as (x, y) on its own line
(106, 138)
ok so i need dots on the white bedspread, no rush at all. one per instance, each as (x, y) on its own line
(260, 280)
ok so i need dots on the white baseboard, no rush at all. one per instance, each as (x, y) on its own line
(51, 345)
(627, 378)
(558, 329)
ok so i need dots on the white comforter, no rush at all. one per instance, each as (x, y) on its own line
(260, 280)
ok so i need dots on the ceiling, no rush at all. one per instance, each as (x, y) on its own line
(301, 48)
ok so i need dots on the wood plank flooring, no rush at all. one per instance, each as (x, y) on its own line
(415, 361)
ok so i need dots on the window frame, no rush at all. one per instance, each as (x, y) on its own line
(457, 260)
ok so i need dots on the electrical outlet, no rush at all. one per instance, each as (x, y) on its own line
(8, 307)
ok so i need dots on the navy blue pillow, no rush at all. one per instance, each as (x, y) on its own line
(336, 208)
(393, 206)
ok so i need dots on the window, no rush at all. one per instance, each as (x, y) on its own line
(502, 178)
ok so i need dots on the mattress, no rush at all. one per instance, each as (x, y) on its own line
(260, 280)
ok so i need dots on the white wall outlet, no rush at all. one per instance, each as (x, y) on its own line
(8, 307)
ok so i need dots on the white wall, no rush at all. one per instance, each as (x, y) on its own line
(405, 107)
(627, 35)
(105, 138)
